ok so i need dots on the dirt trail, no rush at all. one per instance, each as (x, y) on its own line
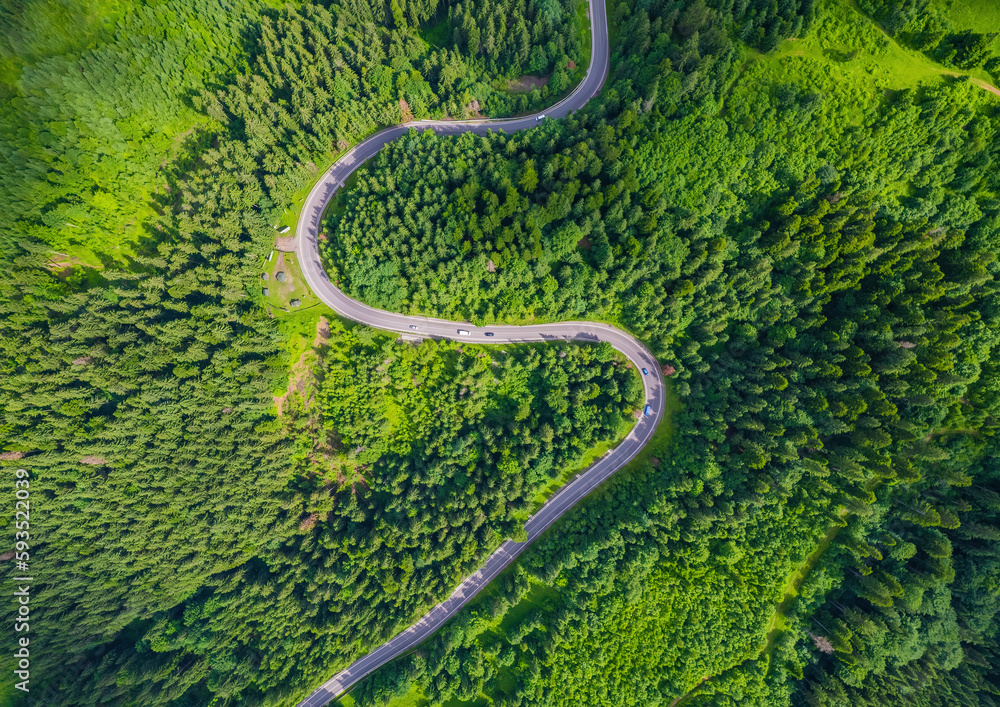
(978, 82)
(988, 86)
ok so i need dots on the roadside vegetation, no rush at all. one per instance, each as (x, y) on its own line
(786, 228)
(232, 507)
(143, 391)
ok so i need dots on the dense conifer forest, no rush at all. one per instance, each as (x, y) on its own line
(794, 204)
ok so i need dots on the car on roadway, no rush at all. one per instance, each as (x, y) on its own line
(463, 332)
(644, 371)
(489, 333)
(413, 326)
(541, 117)
(647, 410)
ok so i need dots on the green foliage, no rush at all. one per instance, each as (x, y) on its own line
(86, 126)
(917, 610)
(926, 26)
(815, 263)
(409, 465)
(830, 305)
(82, 130)
(140, 395)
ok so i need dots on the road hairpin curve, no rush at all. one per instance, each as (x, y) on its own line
(307, 245)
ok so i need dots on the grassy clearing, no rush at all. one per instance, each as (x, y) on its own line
(540, 596)
(854, 54)
(281, 295)
(851, 59)
(977, 15)
(298, 328)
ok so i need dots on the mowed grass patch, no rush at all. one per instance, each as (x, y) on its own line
(281, 295)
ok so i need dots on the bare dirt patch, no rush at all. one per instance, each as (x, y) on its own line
(284, 244)
(526, 84)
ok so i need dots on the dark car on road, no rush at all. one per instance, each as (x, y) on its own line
(488, 333)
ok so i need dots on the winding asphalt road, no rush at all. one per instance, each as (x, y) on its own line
(308, 248)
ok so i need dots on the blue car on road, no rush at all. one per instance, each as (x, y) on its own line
(647, 410)
(645, 372)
